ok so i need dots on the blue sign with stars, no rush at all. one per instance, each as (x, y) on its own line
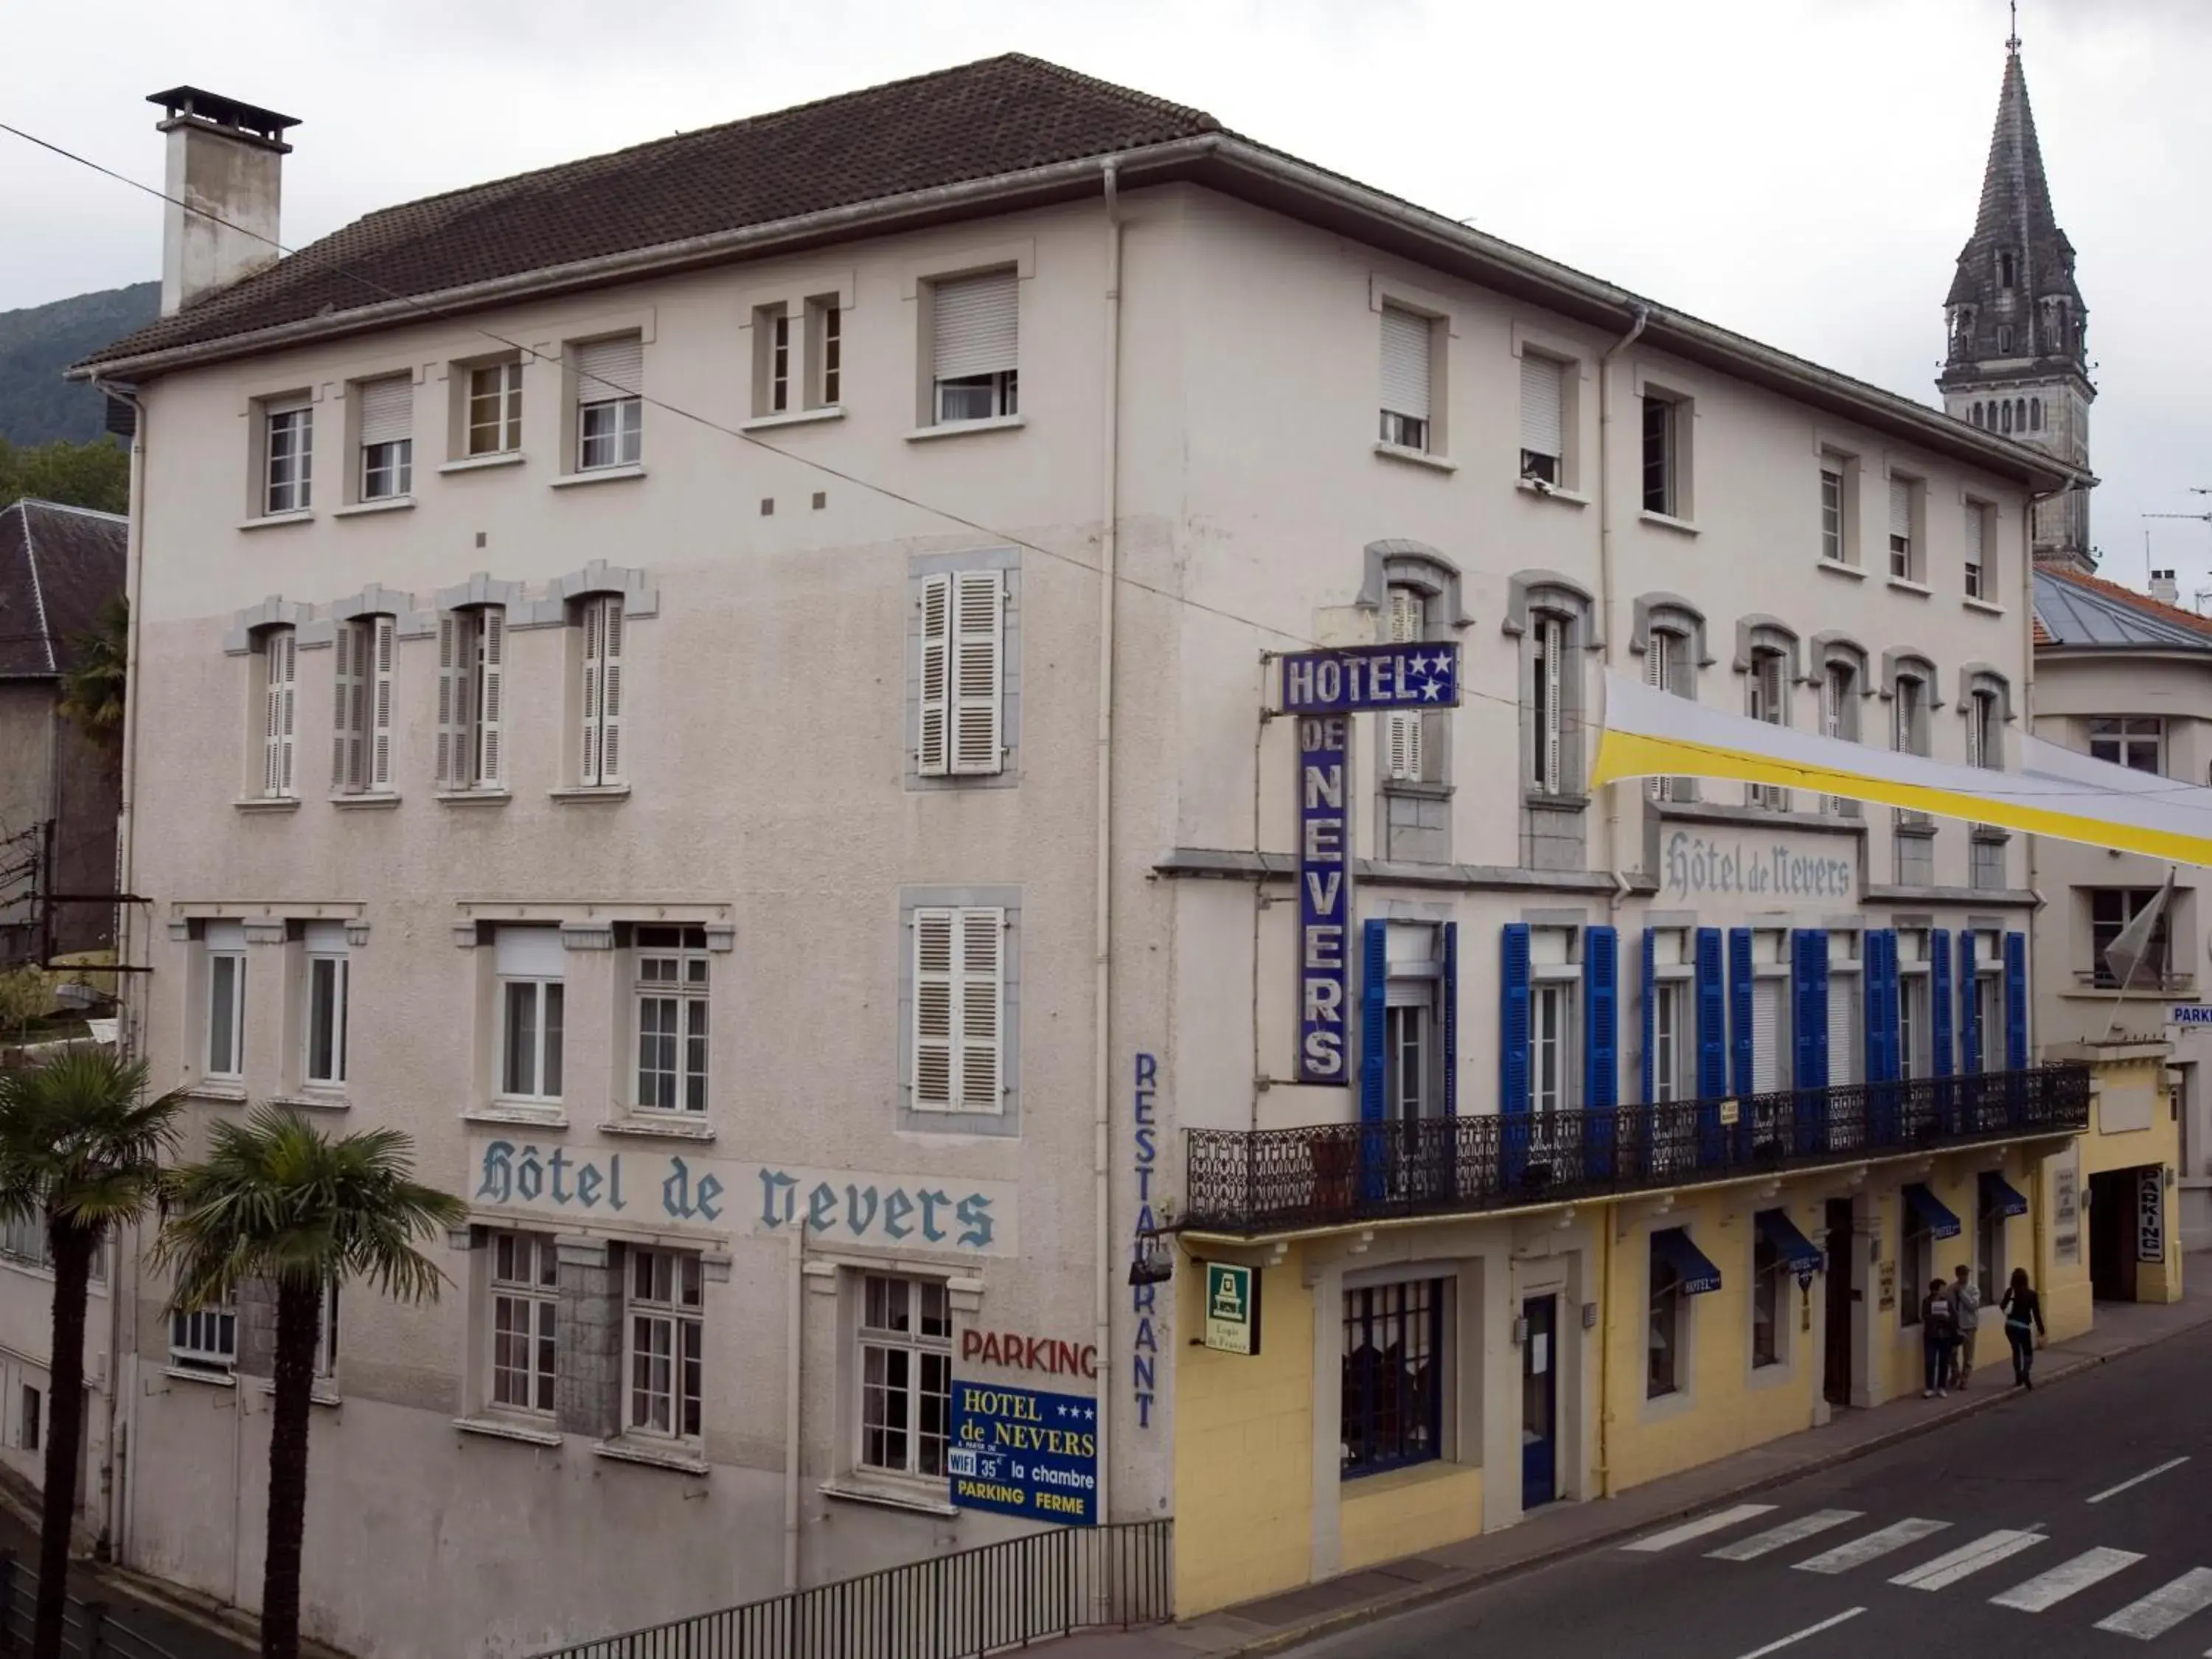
(1022, 1452)
(1410, 674)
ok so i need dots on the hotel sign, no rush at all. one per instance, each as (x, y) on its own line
(1410, 674)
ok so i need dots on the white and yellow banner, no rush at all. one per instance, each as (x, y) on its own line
(2062, 793)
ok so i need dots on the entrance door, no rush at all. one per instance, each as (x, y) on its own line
(1540, 1402)
(2112, 1236)
(1837, 1381)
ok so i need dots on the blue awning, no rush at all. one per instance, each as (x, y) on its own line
(1697, 1274)
(1939, 1221)
(2002, 1195)
(1776, 1227)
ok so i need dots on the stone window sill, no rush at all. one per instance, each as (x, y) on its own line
(1554, 492)
(194, 1373)
(320, 1393)
(794, 417)
(480, 462)
(1417, 786)
(1669, 521)
(314, 1100)
(666, 1126)
(961, 429)
(1416, 457)
(492, 1428)
(1836, 568)
(1558, 803)
(267, 804)
(362, 509)
(270, 520)
(231, 1093)
(474, 797)
(365, 801)
(591, 792)
(681, 1459)
(1989, 835)
(535, 1117)
(1920, 589)
(599, 474)
(925, 1497)
(1981, 606)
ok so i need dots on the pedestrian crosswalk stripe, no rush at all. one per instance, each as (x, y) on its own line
(2164, 1608)
(2067, 1578)
(1946, 1571)
(1697, 1529)
(1875, 1544)
(1790, 1532)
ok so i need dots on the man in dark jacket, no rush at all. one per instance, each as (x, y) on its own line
(1939, 1339)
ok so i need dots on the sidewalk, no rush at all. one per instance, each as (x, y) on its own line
(1563, 1529)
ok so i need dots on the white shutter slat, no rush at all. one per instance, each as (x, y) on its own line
(1766, 1022)
(975, 326)
(978, 622)
(1405, 363)
(587, 770)
(283, 670)
(611, 692)
(272, 696)
(341, 700)
(608, 369)
(1541, 398)
(1843, 1026)
(1554, 638)
(449, 628)
(935, 757)
(387, 409)
(981, 935)
(492, 621)
(933, 952)
(1901, 507)
(379, 674)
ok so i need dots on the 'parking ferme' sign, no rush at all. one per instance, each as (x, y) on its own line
(1022, 1452)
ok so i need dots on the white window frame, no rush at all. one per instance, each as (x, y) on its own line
(1671, 434)
(779, 363)
(963, 675)
(547, 1000)
(1981, 551)
(1548, 637)
(335, 967)
(663, 1344)
(1540, 465)
(277, 650)
(385, 467)
(959, 1028)
(826, 365)
(1666, 650)
(1835, 511)
(1904, 560)
(217, 958)
(1404, 620)
(2129, 734)
(204, 1339)
(1555, 992)
(496, 430)
(473, 699)
(924, 1346)
(671, 977)
(992, 393)
(1766, 699)
(1674, 1075)
(1984, 730)
(1409, 428)
(599, 693)
(610, 415)
(364, 656)
(288, 447)
(523, 1305)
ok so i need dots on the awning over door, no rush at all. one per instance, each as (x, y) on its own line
(2001, 1195)
(1698, 1273)
(1776, 1227)
(1939, 1221)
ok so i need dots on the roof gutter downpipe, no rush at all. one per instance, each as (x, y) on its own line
(1606, 620)
(1102, 989)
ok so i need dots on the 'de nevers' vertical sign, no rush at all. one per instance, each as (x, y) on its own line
(1322, 690)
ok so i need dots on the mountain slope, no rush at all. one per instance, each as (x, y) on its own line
(36, 344)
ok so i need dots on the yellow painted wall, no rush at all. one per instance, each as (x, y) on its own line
(1243, 1451)
(2130, 1084)
(1408, 1511)
(1901, 1365)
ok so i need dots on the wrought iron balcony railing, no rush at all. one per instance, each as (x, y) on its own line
(1269, 1180)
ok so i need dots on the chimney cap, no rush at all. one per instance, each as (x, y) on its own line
(263, 123)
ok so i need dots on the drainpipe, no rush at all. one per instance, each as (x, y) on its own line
(1102, 989)
(794, 1324)
(1606, 621)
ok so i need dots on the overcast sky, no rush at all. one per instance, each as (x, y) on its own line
(1802, 171)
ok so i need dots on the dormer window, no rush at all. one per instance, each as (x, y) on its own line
(2004, 338)
(2006, 272)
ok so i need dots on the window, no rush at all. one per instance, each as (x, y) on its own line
(959, 1000)
(1909, 709)
(387, 443)
(2035, 414)
(1664, 438)
(974, 342)
(1840, 719)
(1984, 736)
(495, 409)
(279, 654)
(1989, 1241)
(288, 456)
(1413, 1049)
(33, 1401)
(610, 413)
(204, 1339)
(964, 620)
(2004, 347)
(471, 700)
(1543, 419)
(1916, 1259)
(666, 1343)
(531, 967)
(671, 1019)
(1551, 1003)
(1904, 560)
(2005, 270)
(225, 944)
(525, 1301)
(361, 748)
(1667, 667)
(1914, 1029)
(1989, 1006)
(1845, 1020)
(1833, 546)
(24, 1239)
(828, 320)
(1405, 619)
(906, 1373)
(328, 972)
(1672, 1043)
(1767, 699)
(1663, 1322)
(1392, 1393)
(2111, 910)
(600, 703)
(326, 1333)
(1981, 550)
(779, 360)
(2134, 742)
(1408, 342)
(1547, 642)
(1768, 1301)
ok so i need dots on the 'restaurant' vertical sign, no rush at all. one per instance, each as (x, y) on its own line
(1321, 691)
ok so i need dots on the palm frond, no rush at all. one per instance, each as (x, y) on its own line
(80, 1141)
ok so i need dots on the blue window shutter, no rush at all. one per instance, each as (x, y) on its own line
(1646, 1072)
(1800, 1008)
(1970, 1007)
(1817, 998)
(1881, 1039)
(1451, 1020)
(2016, 967)
(1513, 1024)
(1601, 1016)
(1939, 997)
(1375, 979)
(1712, 1016)
(1740, 1004)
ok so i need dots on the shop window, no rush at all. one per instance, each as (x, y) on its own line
(1393, 1399)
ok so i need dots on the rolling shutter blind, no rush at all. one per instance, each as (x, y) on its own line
(979, 613)
(280, 696)
(383, 633)
(958, 956)
(610, 369)
(602, 692)
(1712, 1016)
(1901, 507)
(1843, 1030)
(935, 752)
(974, 329)
(1374, 1001)
(1767, 1018)
(387, 409)
(351, 650)
(1401, 727)
(1405, 363)
(1513, 1022)
(1541, 378)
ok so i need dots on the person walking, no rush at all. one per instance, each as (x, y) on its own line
(1967, 1304)
(1939, 1335)
(2023, 1315)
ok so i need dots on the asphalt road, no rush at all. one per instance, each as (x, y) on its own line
(2074, 1520)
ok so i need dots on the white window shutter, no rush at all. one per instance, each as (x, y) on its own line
(387, 409)
(1401, 742)
(1553, 635)
(450, 679)
(610, 369)
(1541, 382)
(974, 325)
(933, 962)
(611, 692)
(491, 769)
(284, 694)
(978, 628)
(1404, 623)
(384, 636)
(345, 647)
(1901, 507)
(1405, 363)
(272, 714)
(587, 770)
(934, 758)
(982, 937)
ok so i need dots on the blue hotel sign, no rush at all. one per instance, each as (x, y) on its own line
(1359, 678)
(1018, 1451)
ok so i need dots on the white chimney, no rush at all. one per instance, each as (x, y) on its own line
(2164, 588)
(225, 162)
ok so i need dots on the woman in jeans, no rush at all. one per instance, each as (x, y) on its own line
(2023, 1317)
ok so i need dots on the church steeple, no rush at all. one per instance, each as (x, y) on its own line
(2018, 329)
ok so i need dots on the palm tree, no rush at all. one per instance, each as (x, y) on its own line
(277, 1200)
(81, 1146)
(94, 683)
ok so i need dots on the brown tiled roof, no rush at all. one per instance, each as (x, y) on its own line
(982, 120)
(59, 565)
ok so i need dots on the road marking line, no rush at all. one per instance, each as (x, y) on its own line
(1860, 1551)
(1790, 1532)
(2067, 1578)
(1946, 1571)
(1809, 1630)
(2164, 1608)
(2148, 1474)
(1699, 1528)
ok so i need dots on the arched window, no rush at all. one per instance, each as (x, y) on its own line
(2006, 269)
(2019, 414)
(2035, 414)
(2007, 410)
(1671, 634)
(1977, 414)
(2004, 338)
(1553, 617)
